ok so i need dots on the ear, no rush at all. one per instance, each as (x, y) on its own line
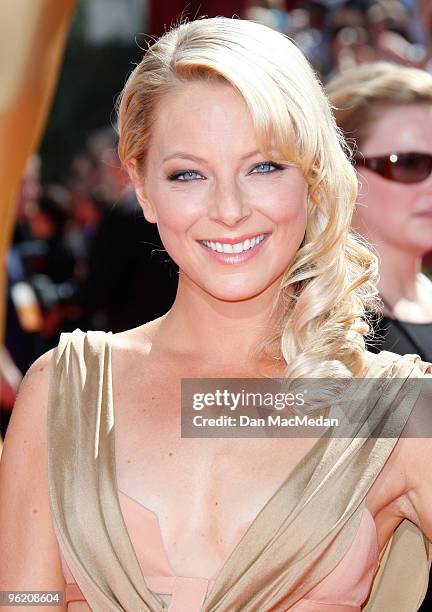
(139, 185)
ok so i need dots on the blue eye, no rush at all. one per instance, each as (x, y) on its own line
(186, 176)
(262, 168)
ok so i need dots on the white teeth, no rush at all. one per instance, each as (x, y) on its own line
(239, 247)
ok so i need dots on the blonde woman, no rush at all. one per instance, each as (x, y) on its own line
(233, 151)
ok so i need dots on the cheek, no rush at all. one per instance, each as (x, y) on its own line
(175, 210)
(285, 204)
(383, 203)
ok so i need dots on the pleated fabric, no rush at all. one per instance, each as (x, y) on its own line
(299, 536)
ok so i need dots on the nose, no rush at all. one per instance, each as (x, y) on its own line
(229, 205)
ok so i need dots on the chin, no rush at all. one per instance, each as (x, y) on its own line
(234, 294)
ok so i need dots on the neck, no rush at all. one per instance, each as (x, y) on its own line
(399, 272)
(215, 331)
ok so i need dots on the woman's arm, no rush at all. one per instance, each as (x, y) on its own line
(29, 553)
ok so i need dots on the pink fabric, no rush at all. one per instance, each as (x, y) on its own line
(343, 590)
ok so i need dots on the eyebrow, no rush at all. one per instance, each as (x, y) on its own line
(183, 155)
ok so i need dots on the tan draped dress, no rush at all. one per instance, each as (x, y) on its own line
(297, 539)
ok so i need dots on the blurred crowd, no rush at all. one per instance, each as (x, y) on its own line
(337, 34)
(82, 254)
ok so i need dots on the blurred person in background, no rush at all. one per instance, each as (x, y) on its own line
(128, 278)
(41, 278)
(385, 112)
(47, 219)
(24, 319)
(87, 213)
(23, 315)
(29, 190)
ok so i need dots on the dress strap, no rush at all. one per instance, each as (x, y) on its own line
(86, 513)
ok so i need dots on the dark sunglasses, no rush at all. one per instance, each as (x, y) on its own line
(399, 167)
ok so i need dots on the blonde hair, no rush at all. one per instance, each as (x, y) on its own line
(319, 314)
(358, 95)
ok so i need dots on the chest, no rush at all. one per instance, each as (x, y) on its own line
(205, 487)
(206, 491)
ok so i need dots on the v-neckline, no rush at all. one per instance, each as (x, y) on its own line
(323, 441)
(155, 518)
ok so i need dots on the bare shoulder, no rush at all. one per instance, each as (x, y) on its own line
(34, 385)
(25, 520)
(25, 440)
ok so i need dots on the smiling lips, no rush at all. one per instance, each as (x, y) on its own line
(234, 251)
(233, 247)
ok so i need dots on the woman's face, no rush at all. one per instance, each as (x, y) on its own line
(397, 214)
(209, 189)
